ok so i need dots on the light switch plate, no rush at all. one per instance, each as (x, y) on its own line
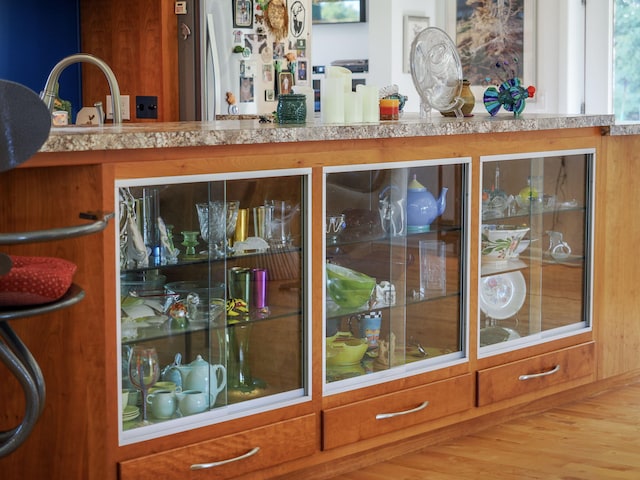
(125, 106)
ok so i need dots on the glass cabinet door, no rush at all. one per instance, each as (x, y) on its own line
(395, 252)
(535, 247)
(213, 298)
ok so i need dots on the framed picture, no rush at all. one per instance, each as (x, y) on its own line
(494, 33)
(246, 90)
(302, 70)
(285, 83)
(242, 13)
(411, 28)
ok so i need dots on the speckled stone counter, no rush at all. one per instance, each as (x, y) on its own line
(625, 129)
(239, 132)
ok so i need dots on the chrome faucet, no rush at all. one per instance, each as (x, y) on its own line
(49, 93)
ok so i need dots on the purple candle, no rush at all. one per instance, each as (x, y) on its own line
(259, 293)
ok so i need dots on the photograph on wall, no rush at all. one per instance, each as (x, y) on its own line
(285, 83)
(246, 90)
(302, 70)
(488, 32)
(297, 18)
(242, 13)
(267, 73)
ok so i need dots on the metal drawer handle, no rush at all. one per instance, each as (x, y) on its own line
(422, 406)
(555, 369)
(200, 466)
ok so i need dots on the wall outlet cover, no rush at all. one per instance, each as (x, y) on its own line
(146, 106)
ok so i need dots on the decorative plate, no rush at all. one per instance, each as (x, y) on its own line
(502, 296)
(436, 70)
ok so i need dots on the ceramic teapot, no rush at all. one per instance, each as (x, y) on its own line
(205, 377)
(422, 207)
(197, 375)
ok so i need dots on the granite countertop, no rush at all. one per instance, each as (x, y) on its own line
(239, 132)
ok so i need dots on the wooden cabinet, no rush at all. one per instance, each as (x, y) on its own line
(386, 413)
(228, 456)
(331, 418)
(536, 374)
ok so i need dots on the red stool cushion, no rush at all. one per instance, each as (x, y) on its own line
(35, 280)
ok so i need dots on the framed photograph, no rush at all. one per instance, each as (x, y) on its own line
(411, 28)
(269, 95)
(285, 83)
(491, 33)
(246, 90)
(302, 70)
(242, 13)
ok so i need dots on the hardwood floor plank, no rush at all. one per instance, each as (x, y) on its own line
(594, 439)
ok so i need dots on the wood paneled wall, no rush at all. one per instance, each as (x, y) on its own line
(138, 40)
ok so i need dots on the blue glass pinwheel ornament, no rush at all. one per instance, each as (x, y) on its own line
(510, 94)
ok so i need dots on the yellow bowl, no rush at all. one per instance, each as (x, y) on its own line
(345, 349)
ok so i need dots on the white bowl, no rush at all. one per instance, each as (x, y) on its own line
(501, 242)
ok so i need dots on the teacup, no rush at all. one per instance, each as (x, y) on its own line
(163, 403)
(165, 385)
(193, 401)
(125, 399)
(133, 396)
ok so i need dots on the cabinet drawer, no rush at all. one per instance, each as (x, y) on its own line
(535, 374)
(386, 413)
(235, 454)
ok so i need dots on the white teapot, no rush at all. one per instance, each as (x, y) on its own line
(204, 377)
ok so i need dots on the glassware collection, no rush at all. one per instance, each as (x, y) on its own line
(208, 305)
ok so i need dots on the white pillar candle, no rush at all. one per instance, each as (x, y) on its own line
(370, 103)
(353, 107)
(340, 72)
(309, 100)
(332, 100)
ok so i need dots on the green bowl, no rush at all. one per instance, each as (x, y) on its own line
(348, 288)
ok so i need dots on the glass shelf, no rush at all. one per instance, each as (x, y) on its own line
(227, 328)
(412, 248)
(538, 292)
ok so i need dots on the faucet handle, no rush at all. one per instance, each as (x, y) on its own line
(100, 111)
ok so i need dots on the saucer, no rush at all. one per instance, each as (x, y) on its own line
(130, 412)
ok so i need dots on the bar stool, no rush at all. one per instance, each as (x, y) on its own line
(25, 123)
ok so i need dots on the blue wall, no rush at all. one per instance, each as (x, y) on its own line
(34, 36)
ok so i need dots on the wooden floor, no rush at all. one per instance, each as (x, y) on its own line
(597, 438)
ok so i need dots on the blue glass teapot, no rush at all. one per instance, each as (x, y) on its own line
(422, 207)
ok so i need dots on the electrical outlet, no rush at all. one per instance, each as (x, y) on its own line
(146, 107)
(125, 107)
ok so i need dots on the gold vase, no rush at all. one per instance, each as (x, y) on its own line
(469, 101)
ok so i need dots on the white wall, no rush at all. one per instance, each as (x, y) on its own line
(558, 56)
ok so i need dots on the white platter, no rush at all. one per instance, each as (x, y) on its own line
(502, 295)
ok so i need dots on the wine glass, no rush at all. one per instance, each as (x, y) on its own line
(144, 371)
(211, 217)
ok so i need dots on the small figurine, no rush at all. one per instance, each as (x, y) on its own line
(510, 94)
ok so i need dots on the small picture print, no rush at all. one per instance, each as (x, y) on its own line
(270, 95)
(242, 14)
(302, 70)
(285, 83)
(278, 50)
(267, 73)
(246, 90)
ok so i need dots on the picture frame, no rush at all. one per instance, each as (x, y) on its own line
(242, 13)
(285, 82)
(302, 70)
(412, 26)
(523, 42)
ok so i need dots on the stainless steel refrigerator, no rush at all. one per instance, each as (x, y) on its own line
(236, 56)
